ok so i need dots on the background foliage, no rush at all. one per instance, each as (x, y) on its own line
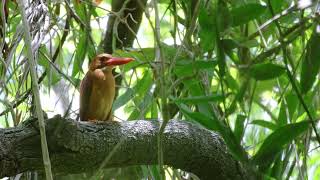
(247, 69)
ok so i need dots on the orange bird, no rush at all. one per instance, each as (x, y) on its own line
(97, 88)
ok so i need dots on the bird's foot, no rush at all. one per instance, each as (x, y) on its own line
(95, 121)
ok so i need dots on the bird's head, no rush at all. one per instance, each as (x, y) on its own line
(107, 62)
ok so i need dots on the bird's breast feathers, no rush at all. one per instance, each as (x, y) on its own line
(101, 99)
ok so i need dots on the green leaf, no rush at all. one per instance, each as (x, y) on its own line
(224, 19)
(42, 61)
(91, 50)
(195, 89)
(155, 172)
(311, 63)
(239, 97)
(216, 125)
(276, 141)
(282, 117)
(143, 107)
(207, 32)
(80, 11)
(292, 103)
(199, 99)
(266, 71)
(221, 58)
(52, 75)
(229, 44)
(139, 89)
(265, 124)
(80, 53)
(239, 127)
(143, 96)
(206, 121)
(187, 67)
(123, 99)
(244, 14)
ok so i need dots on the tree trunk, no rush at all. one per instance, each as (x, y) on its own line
(79, 147)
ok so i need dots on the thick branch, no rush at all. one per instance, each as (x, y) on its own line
(77, 147)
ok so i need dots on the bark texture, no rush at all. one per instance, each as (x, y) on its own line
(79, 147)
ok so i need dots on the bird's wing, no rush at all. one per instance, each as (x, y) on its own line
(85, 93)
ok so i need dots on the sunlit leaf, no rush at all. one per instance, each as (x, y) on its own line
(265, 124)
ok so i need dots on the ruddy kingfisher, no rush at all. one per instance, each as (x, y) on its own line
(97, 89)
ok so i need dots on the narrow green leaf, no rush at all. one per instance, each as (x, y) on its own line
(139, 89)
(229, 44)
(123, 99)
(144, 96)
(265, 124)
(200, 99)
(143, 107)
(187, 67)
(277, 167)
(207, 32)
(266, 71)
(311, 63)
(80, 11)
(206, 121)
(239, 97)
(91, 50)
(244, 14)
(52, 75)
(224, 18)
(282, 117)
(216, 125)
(80, 53)
(195, 89)
(292, 103)
(221, 58)
(276, 141)
(239, 127)
(155, 172)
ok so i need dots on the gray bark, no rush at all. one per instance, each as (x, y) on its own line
(79, 147)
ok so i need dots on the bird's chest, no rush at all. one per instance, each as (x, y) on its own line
(101, 100)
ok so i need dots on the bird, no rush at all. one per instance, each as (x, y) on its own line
(97, 89)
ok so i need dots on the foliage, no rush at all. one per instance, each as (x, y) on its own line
(246, 69)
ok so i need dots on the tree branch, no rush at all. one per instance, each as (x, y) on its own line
(77, 147)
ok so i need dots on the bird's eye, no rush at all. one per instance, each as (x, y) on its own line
(105, 59)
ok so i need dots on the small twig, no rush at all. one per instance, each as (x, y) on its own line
(31, 60)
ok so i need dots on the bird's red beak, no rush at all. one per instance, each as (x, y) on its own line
(118, 61)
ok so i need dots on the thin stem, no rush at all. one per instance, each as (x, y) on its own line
(159, 57)
(34, 80)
